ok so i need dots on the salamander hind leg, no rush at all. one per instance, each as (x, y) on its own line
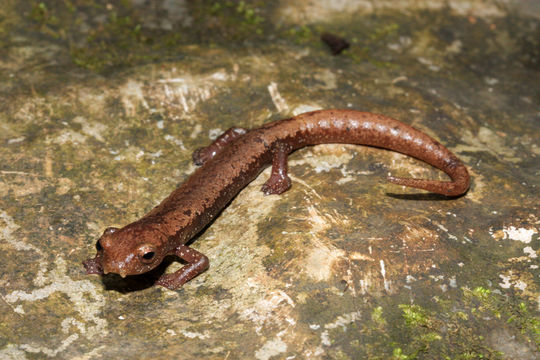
(197, 264)
(279, 180)
(202, 155)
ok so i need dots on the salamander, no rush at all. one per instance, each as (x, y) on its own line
(236, 158)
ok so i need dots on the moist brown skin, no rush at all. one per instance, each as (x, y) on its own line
(234, 160)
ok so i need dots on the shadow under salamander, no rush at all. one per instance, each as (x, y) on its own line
(422, 197)
(133, 283)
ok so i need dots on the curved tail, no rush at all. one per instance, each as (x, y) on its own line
(448, 162)
(444, 160)
(356, 127)
(458, 186)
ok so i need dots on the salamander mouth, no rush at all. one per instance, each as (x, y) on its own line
(95, 266)
(123, 274)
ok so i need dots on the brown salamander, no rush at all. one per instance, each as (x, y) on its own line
(232, 161)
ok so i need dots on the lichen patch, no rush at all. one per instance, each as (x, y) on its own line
(84, 296)
(320, 261)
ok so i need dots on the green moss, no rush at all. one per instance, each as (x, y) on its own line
(248, 14)
(482, 300)
(398, 354)
(365, 48)
(43, 15)
(230, 20)
(118, 38)
(377, 316)
(119, 41)
(439, 331)
(527, 323)
(301, 34)
(414, 315)
(460, 326)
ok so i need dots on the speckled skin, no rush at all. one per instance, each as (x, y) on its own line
(234, 160)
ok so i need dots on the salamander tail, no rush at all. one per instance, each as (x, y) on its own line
(458, 186)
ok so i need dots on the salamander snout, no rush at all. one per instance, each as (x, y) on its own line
(105, 240)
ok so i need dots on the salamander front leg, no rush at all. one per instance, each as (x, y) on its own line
(279, 181)
(202, 155)
(93, 265)
(197, 264)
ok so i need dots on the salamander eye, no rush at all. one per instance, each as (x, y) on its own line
(147, 253)
(98, 246)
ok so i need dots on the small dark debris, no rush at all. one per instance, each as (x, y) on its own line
(335, 43)
(343, 285)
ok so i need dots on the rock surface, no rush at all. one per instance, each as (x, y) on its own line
(102, 105)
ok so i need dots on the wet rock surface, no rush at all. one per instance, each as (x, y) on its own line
(103, 104)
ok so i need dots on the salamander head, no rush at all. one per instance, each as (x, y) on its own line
(131, 250)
